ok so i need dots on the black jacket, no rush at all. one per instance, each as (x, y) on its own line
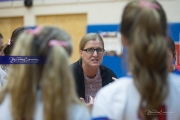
(106, 75)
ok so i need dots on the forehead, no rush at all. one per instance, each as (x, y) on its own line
(94, 44)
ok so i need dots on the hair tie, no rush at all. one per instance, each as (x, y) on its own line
(145, 3)
(35, 31)
(57, 42)
(9, 41)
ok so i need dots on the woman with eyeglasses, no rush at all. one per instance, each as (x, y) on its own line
(90, 75)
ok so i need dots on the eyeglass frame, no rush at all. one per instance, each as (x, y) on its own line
(94, 50)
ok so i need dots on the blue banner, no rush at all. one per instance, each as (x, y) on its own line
(22, 60)
(173, 29)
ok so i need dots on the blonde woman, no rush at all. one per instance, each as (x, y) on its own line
(150, 93)
(42, 91)
(89, 73)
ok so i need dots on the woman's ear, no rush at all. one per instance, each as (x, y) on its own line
(124, 40)
(81, 53)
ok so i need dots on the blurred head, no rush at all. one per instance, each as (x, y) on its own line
(54, 78)
(92, 50)
(1, 45)
(11, 43)
(129, 21)
(171, 54)
(143, 30)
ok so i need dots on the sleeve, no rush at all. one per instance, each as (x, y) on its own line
(111, 101)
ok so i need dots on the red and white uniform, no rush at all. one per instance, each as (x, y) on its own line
(120, 100)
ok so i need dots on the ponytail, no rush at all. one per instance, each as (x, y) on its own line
(53, 78)
(142, 27)
(21, 81)
(57, 85)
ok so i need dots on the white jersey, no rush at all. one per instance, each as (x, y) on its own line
(76, 112)
(120, 100)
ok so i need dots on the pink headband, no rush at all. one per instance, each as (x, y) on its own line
(35, 31)
(9, 41)
(57, 42)
(145, 3)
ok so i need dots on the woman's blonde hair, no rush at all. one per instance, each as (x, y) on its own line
(144, 27)
(54, 78)
(90, 37)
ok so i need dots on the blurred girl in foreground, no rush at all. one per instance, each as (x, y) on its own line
(42, 91)
(150, 93)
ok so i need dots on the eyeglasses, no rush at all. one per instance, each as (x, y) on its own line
(91, 50)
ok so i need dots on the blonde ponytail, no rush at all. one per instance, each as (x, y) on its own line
(147, 54)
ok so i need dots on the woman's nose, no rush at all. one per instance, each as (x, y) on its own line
(95, 53)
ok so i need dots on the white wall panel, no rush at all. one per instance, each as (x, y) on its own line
(82, 1)
(5, 4)
(46, 2)
(19, 3)
(37, 2)
(97, 12)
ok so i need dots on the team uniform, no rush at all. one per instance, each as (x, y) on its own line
(120, 100)
(75, 112)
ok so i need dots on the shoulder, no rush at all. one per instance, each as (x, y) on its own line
(78, 112)
(76, 65)
(173, 98)
(173, 78)
(111, 99)
(116, 86)
(174, 87)
(106, 70)
(174, 82)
